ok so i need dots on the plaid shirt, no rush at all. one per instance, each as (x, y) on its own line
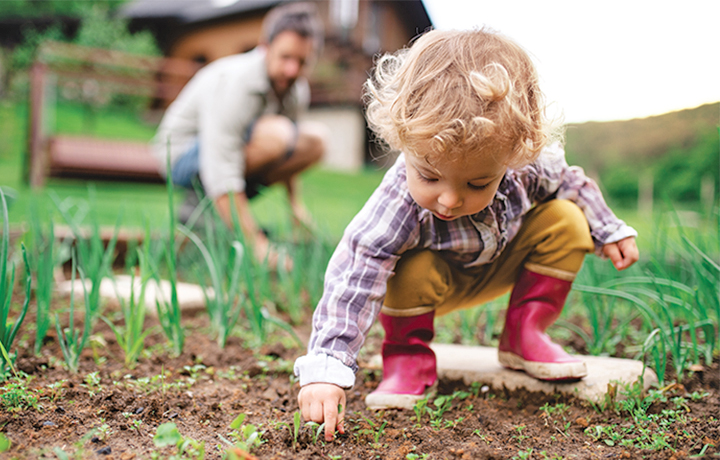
(391, 223)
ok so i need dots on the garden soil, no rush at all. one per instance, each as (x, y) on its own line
(114, 414)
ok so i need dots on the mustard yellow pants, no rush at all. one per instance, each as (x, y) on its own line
(552, 241)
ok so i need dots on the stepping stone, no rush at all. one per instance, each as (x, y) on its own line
(480, 364)
(190, 296)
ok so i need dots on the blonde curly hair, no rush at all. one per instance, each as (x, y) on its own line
(455, 93)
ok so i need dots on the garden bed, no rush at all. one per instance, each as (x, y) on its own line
(107, 410)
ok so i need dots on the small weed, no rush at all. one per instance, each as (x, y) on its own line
(316, 430)
(92, 383)
(524, 454)
(104, 431)
(519, 436)
(295, 431)
(245, 437)
(4, 443)
(16, 396)
(167, 435)
(53, 391)
(414, 456)
(375, 430)
(486, 439)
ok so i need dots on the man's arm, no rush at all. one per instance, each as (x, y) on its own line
(253, 236)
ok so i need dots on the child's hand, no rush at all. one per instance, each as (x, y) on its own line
(323, 402)
(622, 253)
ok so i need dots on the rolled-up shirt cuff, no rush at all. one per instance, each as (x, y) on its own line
(622, 233)
(322, 368)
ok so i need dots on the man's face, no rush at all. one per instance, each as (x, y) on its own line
(287, 57)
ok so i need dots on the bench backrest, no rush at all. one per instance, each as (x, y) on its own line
(97, 74)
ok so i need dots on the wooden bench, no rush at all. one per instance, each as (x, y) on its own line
(100, 73)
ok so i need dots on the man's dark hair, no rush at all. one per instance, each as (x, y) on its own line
(301, 18)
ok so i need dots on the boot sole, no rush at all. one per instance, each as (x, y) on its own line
(544, 371)
(375, 401)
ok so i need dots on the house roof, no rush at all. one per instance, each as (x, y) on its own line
(189, 11)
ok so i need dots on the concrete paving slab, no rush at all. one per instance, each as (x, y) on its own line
(480, 364)
(190, 296)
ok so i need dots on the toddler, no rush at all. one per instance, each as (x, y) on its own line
(480, 202)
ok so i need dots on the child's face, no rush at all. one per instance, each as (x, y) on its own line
(453, 189)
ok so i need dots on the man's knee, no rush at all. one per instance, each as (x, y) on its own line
(272, 136)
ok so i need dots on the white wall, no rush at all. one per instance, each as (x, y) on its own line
(346, 145)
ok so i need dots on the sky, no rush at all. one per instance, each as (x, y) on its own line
(606, 60)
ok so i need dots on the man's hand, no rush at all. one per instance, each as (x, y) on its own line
(265, 252)
(262, 249)
(623, 253)
(323, 402)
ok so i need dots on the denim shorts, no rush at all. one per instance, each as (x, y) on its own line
(187, 167)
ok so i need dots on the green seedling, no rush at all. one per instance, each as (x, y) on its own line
(54, 391)
(519, 437)
(315, 430)
(79, 452)
(524, 454)
(485, 438)
(167, 435)
(43, 260)
(71, 341)
(420, 408)
(414, 456)
(297, 424)
(245, 437)
(8, 330)
(16, 396)
(131, 337)
(94, 259)
(92, 383)
(169, 309)
(376, 431)
(4, 443)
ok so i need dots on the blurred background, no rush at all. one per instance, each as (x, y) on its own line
(83, 84)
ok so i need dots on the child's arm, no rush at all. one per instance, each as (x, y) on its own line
(354, 290)
(551, 177)
(323, 402)
(623, 253)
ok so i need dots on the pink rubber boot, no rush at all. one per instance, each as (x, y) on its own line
(535, 303)
(409, 366)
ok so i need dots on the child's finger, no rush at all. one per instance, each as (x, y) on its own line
(331, 420)
(341, 416)
(613, 252)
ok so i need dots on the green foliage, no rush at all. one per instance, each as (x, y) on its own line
(677, 173)
(72, 342)
(17, 396)
(44, 258)
(24, 54)
(131, 337)
(8, 330)
(50, 8)
(647, 422)
(245, 436)
(95, 260)
(167, 435)
(99, 29)
(4, 443)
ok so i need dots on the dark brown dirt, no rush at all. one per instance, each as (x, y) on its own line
(206, 388)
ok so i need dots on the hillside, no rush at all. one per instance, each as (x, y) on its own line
(678, 148)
